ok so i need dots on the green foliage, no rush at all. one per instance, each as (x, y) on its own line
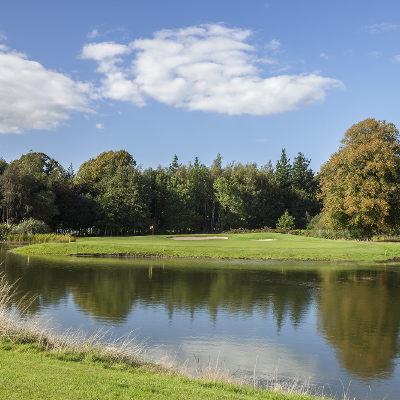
(110, 195)
(283, 171)
(6, 229)
(360, 184)
(285, 222)
(319, 228)
(302, 176)
(31, 227)
(122, 201)
(95, 169)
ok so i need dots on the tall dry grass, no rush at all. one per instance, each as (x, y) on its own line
(40, 238)
(19, 327)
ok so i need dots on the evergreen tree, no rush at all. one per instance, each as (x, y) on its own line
(283, 171)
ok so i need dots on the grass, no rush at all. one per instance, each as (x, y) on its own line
(238, 246)
(36, 363)
(40, 237)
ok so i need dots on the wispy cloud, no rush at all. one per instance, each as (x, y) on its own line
(261, 140)
(33, 97)
(207, 68)
(93, 34)
(375, 54)
(379, 28)
(100, 126)
(396, 58)
(282, 69)
(3, 36)
(96, 33)
(323, 55)
(272, 45)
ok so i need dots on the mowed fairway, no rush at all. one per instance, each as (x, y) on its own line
(237, 246)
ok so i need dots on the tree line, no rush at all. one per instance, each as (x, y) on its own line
(112, 195)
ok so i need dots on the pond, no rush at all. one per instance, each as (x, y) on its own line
(334, 326)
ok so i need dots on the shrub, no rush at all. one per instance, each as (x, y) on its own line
(285, 222)
(318, 229)
(32, 227)
(6, 229)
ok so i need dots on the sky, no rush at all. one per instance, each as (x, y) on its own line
(157, 78)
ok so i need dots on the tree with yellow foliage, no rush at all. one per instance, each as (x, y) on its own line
(360, 184)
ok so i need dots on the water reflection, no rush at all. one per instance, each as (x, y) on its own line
(330, 321)
(358, 316)
(111, 293)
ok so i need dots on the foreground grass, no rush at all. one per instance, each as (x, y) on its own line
(27, 373)
(238, 246)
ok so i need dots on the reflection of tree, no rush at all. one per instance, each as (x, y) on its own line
(357, 316)
(109, 289)
(50, 285)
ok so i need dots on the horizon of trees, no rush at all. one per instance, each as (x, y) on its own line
(111, 194)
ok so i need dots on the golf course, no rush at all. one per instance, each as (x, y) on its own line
(268, 246)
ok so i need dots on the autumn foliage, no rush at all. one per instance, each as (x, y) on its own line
(360, 184)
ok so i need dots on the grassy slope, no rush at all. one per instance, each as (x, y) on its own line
(29, 374)
(237, 246)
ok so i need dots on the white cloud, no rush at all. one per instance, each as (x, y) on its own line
(384, 27)
(3, 36)
(261, 140)
(273, 45)
(93, 34)
(396, 58)
(33, 97)
(207, 68)
(323, 55)
(100, 126)
(103, 51)
(375, 54)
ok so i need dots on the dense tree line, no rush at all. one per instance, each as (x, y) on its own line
(111, 194)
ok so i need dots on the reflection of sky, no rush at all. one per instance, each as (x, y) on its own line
(297, 353)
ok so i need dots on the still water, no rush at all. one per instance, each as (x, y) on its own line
(333, 325)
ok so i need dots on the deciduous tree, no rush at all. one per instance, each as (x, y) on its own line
(360, 184)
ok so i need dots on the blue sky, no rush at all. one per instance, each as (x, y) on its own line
(157, 78)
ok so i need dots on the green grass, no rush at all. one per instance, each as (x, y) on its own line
(238, 246)
(27, 373)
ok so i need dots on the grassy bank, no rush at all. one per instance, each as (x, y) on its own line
(237, 246)
(36, 363)
(27, 373)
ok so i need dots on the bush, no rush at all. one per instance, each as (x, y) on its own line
(6, 229)
(318, 229)
(285, 222)
(32, 227)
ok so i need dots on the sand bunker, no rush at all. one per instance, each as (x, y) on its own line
(198, 237)
(262, 240)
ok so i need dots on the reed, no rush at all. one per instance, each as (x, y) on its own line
(40, 238)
